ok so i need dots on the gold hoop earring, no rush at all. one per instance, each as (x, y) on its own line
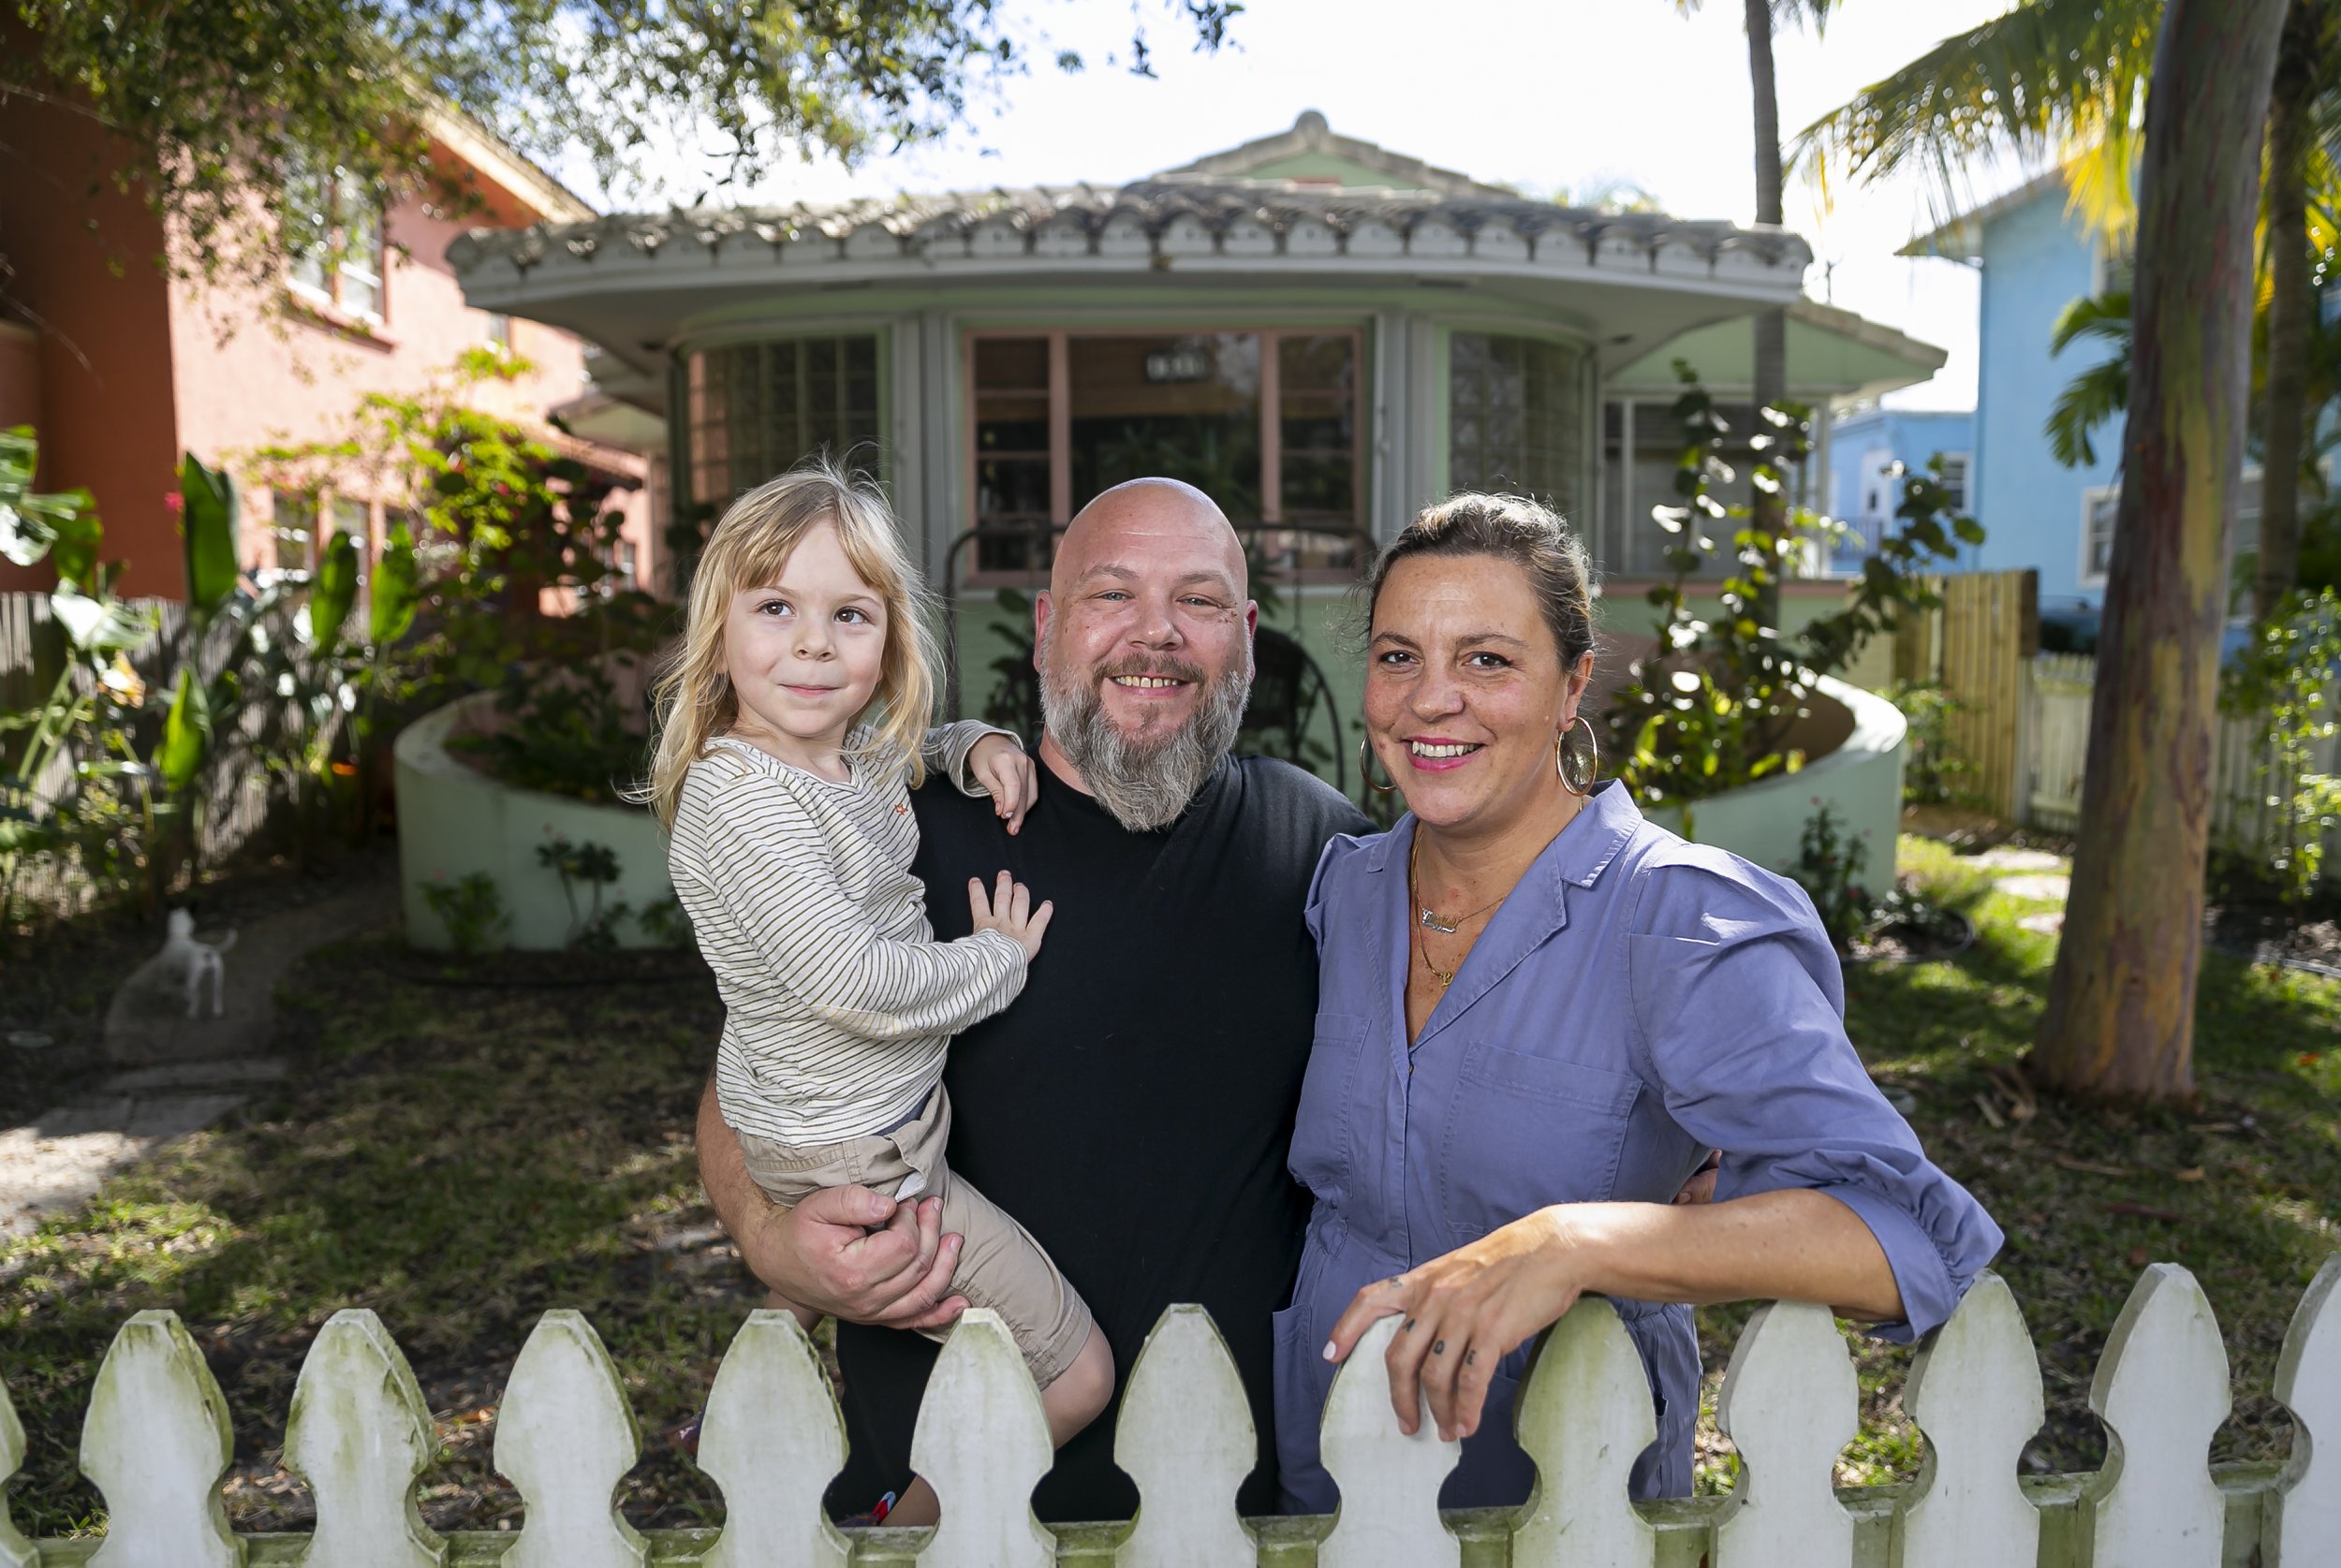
(1366, 768)
(1593, 767)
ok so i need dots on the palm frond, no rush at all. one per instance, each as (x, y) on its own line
(2099, 393)
(2055, 78)
(2103, 316)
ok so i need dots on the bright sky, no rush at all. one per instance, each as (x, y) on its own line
(1541, 94)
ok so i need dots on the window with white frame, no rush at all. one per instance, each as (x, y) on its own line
(333, 232)
(1954, 480)
(2098, 506)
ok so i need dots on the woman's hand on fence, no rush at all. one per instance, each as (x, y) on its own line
(859, 1255)
(1007, 775)
(1465, 1312)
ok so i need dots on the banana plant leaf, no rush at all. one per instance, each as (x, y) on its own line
(207, 524)
(101, 626)
(333, 592)
(397, 589)
(73, 538)
(186, 733)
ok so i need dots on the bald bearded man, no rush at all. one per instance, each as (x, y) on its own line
(1133, 1107)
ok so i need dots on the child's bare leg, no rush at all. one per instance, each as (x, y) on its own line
(1071, 1402)
(1081, 1391)
(805, 1316)
(918, 1506)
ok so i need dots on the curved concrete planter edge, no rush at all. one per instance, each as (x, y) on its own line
(454, 820)
(1862, 778)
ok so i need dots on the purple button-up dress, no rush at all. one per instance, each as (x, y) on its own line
(1636, 1002)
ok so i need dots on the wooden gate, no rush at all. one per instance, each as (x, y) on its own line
(1974, 645)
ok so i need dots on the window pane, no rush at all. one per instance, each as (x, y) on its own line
(758, 409)
(1012, 365)
(291, 527)
(1317, 446)
(1516, 418)
(1184, 407)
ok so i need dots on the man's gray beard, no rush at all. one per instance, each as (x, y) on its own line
(1144, 782)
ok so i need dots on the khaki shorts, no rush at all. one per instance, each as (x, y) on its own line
(1000, 1265)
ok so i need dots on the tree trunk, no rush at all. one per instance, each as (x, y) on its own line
(2120, 1017)
(2290, 301)
(1771, 382)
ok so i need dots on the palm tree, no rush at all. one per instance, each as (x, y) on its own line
(2066, 79)
(1771, 382)
(2071, 77)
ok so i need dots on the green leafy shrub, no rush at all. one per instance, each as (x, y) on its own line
(1710, 711)
(2286, 680)
(472, 911)
(505, 522)
(1830, 864)
(1933, 771)
(592, 866)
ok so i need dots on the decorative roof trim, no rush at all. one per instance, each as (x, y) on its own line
(1156, 224)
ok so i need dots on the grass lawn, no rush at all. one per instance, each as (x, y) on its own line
(460, 1158)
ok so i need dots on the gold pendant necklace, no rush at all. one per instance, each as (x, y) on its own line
(1424, 915)
(1445, 978)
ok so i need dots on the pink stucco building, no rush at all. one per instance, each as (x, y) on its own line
(119, 368)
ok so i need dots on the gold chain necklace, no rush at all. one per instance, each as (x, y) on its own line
(1424, 915)
(1429, 919)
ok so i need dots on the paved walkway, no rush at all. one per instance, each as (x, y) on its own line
(173, 1074)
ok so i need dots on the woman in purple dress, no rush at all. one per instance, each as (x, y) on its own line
(1538, 1014)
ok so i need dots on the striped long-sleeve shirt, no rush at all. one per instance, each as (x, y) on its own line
(838, 1001)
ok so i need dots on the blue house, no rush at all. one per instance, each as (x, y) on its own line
(2036, 257)
(1869, 449)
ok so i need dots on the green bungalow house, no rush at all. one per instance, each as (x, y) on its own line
(1321, 332)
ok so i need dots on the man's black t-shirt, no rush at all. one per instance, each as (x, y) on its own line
(1133, 1107)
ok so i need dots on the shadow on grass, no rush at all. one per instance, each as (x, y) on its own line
(457, 1160)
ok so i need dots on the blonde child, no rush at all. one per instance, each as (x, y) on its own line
(792, 722)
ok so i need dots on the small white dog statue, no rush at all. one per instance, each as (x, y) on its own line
(194, 964)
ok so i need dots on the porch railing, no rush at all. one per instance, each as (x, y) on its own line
(157, 1442)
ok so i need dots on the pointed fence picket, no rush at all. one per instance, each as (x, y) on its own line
(2307, 1513)
(2161, 1389)
(1185, 1436)
(566, 1437)
(156, 1443)
(1975, 1395)
(1790, 1403)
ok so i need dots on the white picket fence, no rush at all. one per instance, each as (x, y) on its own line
(157, 1442)
(2052, 751)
